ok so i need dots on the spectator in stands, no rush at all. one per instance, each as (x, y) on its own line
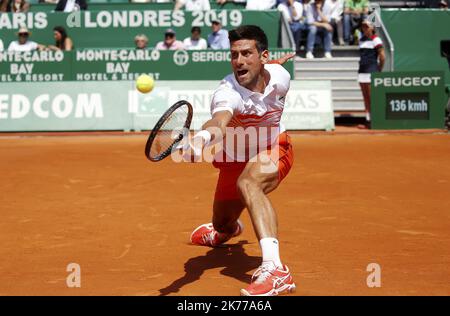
(443, 5)
(62, 41)
(141, 41)
(319, 25)
(4, 5)
(71, 5)
(24, 44)
(372, 60)
(14, 6)
(170, 41)
(259, 5)
(305, 7)
(293, 13)
(355, 11)
(1, 46)
(195, 41)
(218, 39)
(336, 8)
(193, 5)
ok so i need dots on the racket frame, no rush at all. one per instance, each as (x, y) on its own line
(160, 123)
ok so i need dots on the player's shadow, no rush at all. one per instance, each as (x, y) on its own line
(235, 262)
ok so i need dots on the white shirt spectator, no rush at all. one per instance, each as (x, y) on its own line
(258, 5)
(1, 46)
(27, 47)
(191, 44)
(195, 5)
(70, 6)
(287, 11)
(334, 9)
(175, 46)
(312, 15)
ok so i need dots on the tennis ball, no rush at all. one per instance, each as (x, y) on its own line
(145, 83)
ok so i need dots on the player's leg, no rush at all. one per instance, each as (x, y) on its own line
(257, 180)
(365, 89)
(253, 184)
(225, 224)
(226, 209)
(226, 214)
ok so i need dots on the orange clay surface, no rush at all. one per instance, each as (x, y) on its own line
(349, 200)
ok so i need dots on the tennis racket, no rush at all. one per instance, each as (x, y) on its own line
(170, 129)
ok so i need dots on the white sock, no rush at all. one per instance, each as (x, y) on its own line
(270, 251)
(368, 117)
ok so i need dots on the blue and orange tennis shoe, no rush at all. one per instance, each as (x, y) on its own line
(270, 280)
(206, 235)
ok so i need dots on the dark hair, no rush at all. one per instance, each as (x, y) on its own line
(250, 32)
(61, 43)
(196, 29)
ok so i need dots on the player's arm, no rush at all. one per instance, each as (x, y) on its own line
(282, 60)
(381, 58)
(212, 130)
(217, 125)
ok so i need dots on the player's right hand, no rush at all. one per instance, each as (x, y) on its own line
(190, 151)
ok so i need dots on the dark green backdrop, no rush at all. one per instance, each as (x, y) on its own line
(416, 34)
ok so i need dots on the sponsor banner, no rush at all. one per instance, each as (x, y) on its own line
(117, 28)
(118, 64)
(404, 100)
(66, 106)
(309, 106)
(35, 66)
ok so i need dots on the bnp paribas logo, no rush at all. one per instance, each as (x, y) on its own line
(181, 57)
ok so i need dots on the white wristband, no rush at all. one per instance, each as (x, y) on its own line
(204, 135)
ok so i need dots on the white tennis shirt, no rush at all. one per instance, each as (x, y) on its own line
(254, 109)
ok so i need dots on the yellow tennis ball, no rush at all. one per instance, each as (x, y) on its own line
(145, 83)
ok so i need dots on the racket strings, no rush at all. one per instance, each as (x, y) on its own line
(170, 132)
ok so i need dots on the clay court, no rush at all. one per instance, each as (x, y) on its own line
(350, 200)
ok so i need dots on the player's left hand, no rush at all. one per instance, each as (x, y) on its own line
(286, 57)
(283, 59)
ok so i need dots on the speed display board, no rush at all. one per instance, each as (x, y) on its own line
(408, 100)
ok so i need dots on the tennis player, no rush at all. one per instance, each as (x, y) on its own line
(252, 97)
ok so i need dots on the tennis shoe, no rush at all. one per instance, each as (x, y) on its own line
(270, 280)
(206, 235)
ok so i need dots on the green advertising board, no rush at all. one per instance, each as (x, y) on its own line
(117, 105)
(417, 35)
(408, 100)
(117, 28)
(119, 64)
